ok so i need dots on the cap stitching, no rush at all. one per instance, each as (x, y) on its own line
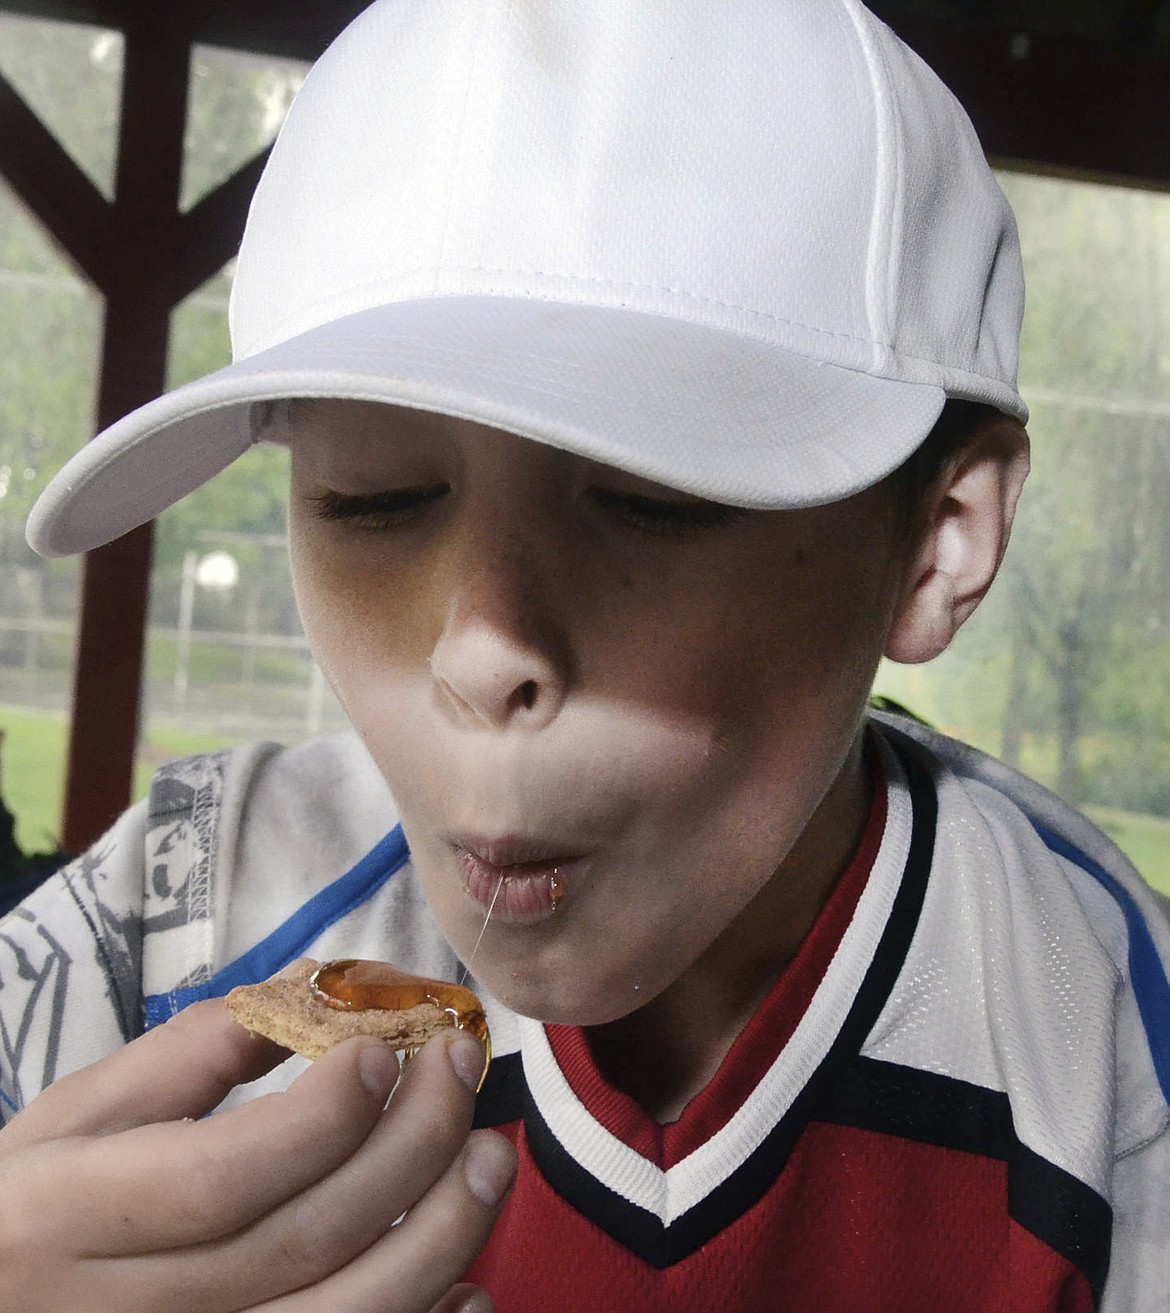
(954, 371)
(955, 376)
(696, 297)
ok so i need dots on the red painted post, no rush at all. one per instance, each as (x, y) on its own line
(109, 661)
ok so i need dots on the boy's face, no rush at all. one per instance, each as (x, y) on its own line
(610, 706)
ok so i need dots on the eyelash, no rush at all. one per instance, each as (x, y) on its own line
(382, 511)
(659, 516)
(376, 510)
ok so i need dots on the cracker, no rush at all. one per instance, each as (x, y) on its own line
(285, 1010)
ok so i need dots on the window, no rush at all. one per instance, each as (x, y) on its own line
(1065, 671)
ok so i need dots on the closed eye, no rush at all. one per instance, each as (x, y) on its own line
(662, 515)
(377, 510)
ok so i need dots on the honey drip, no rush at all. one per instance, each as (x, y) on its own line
(556, 890)
(353, 985)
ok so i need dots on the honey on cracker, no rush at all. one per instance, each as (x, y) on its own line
(354, 985)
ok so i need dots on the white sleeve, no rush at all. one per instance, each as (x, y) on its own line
(1139, 1268)
(70, 966)
(228, 845)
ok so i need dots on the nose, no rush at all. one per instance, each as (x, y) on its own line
(501, 660)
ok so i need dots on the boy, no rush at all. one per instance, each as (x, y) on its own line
(647, 372)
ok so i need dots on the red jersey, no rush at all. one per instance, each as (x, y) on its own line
(807, 1175)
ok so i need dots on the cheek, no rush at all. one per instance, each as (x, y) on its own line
(781, 643)
(368, 628)
(788, 685)
(362, 623)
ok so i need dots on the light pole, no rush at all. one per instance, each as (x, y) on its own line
(218, 572)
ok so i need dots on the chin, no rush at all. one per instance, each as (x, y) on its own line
(553, 999)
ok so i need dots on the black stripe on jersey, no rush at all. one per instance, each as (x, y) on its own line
(505, 1097)
(504, 1094)
(1062, 1212)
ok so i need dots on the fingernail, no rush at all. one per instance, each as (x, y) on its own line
(467, 1057)
(489, 1164)
(479, 1301)
(378, 1069)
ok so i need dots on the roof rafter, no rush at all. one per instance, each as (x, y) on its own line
(44, 175)
(292, 29)
(1092, 107)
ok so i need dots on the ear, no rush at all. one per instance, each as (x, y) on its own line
(967, 522)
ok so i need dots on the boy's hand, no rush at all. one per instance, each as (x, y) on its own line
(113, 1201)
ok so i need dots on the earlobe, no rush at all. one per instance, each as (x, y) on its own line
(959, 549)
(925, 621)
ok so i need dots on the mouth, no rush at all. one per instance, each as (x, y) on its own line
(521, 883)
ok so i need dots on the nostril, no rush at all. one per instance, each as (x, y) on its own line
(489, 675)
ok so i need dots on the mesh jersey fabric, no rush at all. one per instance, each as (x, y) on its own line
(1011, 1033)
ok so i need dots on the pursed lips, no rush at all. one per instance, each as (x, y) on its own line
(522, 881)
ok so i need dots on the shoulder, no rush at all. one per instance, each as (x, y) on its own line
(70, 957)
(301, 817)
(1049, 955)
(251, 809)
(1024, 828)
(331, 777)
(238, 840)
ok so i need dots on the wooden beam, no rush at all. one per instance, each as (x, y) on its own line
(145, 257)
(291, 29)
(1091, 109)
(210, 231)
(103, 13)
(45, 176)
(116, 579)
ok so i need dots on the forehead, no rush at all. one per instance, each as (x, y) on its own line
(340, 435)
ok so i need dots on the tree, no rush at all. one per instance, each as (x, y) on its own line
(1064, 668)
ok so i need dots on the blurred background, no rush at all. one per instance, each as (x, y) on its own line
(1065, 672)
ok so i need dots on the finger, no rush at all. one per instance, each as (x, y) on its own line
(465, 1299)
(422, 1132)
(320, 1229)
(422, 1258)
(186, 1183)
(181, 1069)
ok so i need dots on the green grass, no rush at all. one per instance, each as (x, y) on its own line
(32, 780)
(1144, 839)
(33, 771)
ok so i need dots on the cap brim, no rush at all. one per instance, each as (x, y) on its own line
(713, 413)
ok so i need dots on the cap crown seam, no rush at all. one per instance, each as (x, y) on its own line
(278, 331)
(887, 188)
(459, 154)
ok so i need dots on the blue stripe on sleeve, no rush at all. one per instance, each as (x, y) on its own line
(1150, 986)
(290, 940)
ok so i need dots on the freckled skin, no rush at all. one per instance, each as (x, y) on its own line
(524, 654)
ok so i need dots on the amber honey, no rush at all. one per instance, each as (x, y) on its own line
(354, 985)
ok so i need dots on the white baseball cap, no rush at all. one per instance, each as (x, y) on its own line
(745, 248)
